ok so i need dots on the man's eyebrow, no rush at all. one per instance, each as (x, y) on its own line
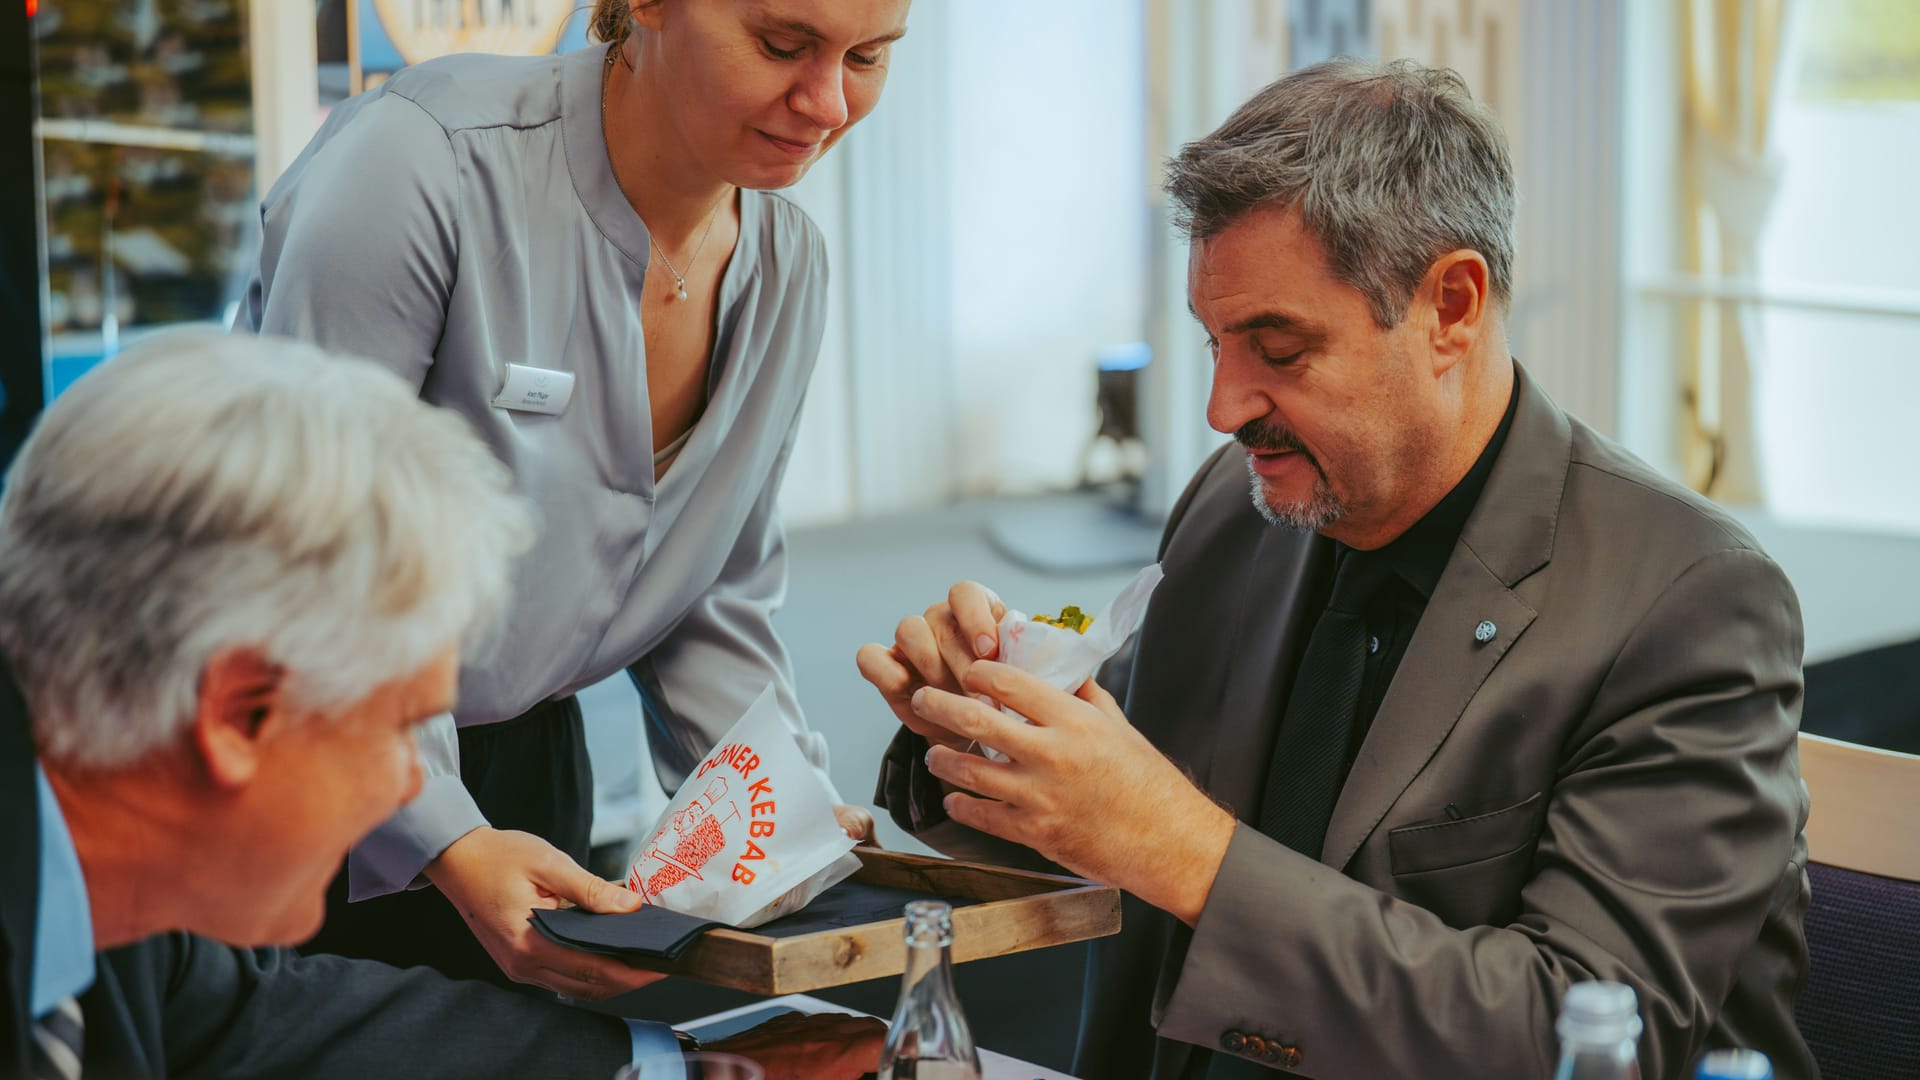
(1275, 320)
(1267, 320)
(808, 30)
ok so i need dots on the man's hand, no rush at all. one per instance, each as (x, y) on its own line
(827, 1045)
(495, 879)
(935, 649)
(1082, 788)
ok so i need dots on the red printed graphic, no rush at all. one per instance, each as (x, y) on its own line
(697, 838)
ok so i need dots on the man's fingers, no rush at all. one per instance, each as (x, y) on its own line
(921, 650)
(1096, 695)
(993, 818)
(1023, 692)
(882, 667)
(955, 653)
(993, 779)
(886, 670)
(970, 719)
(811, 1047)
(932, 732)
(977, 613)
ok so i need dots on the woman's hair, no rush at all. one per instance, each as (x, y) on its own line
(204, 491)
(612, 21)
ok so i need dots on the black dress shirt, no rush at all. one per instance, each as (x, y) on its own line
(1416, 560)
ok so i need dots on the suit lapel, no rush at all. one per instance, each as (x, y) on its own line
(1507, 538)
(1278, 611)
(1443, 668)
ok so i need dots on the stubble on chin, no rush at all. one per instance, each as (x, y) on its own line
(1318, 510)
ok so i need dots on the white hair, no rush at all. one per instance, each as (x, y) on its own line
(202, 492)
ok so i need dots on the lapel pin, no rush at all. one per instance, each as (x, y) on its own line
(1485, 632)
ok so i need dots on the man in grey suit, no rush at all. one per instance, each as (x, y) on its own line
(1495, 709)
(236, 574)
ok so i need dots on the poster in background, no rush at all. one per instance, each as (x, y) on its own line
(387, 35)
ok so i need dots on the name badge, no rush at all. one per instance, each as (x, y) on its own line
(532, 389)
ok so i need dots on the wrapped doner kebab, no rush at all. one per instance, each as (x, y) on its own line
(751, 834)
(1065, 650)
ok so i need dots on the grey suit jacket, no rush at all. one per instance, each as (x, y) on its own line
(1621, 755)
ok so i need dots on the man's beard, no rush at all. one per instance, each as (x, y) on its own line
(1319, 509)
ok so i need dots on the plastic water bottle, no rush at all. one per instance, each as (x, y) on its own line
(1599, 1033)
(929, 1039)
(1734, 1065)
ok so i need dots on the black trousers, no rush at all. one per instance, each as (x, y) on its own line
(531, 774)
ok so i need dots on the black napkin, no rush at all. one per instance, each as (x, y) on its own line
(653, 931)
(660, 934)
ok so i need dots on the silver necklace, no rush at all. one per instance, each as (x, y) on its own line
(679, 277)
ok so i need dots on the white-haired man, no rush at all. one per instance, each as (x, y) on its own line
(230, 590)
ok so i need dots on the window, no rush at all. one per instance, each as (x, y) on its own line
(1793, 281)
(1837, 381)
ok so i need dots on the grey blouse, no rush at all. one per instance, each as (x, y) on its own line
(463, 216)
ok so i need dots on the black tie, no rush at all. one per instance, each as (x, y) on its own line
(57, 1041)
(1310, 754)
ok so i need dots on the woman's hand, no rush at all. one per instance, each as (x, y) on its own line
(495, 878)
(858, 823)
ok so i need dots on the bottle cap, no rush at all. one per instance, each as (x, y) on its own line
(929, 922)
(1735, 1065)
(1599, 1012)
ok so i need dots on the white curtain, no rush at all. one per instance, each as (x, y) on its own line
(1204, 57)
(1735, 56)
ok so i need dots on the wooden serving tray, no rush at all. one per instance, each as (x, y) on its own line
(1016, 911)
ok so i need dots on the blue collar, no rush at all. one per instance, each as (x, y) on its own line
(63, 927)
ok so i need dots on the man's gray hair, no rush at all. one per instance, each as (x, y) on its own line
(1390, 165)
(204, 491)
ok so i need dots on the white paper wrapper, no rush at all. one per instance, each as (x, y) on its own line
(751, 835)
(1065, 658)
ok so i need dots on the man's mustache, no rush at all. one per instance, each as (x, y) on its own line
(1268, 438)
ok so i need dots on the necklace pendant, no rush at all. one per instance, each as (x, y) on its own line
(683, 293)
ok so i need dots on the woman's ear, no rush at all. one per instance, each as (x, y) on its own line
(239, 712)
(646, 13)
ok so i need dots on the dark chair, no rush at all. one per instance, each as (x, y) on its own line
(1860, 1009)
(1871, 698)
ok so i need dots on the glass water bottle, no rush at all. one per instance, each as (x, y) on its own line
(1599, 1033)
(929, 1039)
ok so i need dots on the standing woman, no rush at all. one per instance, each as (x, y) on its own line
(581, 255)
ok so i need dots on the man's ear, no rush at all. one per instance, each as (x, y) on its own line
(238, 713)
(1458, 287)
